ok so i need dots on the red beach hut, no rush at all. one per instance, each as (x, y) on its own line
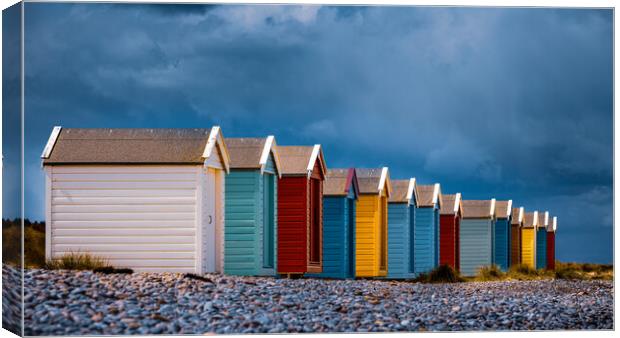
(551, 243)
(450, 220)
(300, 209)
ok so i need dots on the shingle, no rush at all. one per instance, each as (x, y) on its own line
(448, 202)
(515, 216)
(477, 208)
(399, 191)
(128, 146)
(245, 153)
(528, 220)
(335, 183)
(425, 195)
(294, 159)
(368, 180)
(501, 209)
(541, 219)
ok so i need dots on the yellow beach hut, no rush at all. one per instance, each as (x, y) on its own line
(371, 222)
(528, 239)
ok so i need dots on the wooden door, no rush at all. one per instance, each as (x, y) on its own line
(269, 220)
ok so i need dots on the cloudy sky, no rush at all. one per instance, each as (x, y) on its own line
(504, 103)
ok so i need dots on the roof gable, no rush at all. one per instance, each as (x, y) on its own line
(553, 224)
(479, 208)
(134, 146)
(530, 219)
(402, 191)
(340, 182)
(452, 204)
(374, 181)
(301, 160)
(503, 209)
(252, 153)
(429, 195)
(517, 216)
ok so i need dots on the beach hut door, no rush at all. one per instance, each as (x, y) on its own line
(351, 232)
(269, 224)
(209, 242)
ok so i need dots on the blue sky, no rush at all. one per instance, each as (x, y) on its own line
(504, 103)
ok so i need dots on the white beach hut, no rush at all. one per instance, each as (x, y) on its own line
(147, 199)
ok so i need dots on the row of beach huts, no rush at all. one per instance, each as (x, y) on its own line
(190, 200)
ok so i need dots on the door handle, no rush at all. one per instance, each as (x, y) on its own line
(210, 219)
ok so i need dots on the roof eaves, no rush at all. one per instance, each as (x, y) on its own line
(216, 139)
(270, 147)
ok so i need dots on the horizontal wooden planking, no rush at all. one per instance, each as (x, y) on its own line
(124, 185)
(138, 239)
(177, 216)
(138, 255)
(80, 224)
(153, 263)
(125, 232)
(132, 208)
(114, 247)
(124, 177)
(127, 169)
(130, 193)
(95, 200)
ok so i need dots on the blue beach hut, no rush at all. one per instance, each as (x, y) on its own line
(401, 215)
(501, 235)
(426, 228)
(250, 223)
(541, 240)
(340, 194)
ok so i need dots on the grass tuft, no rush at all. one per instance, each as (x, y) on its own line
(76, 261)
(441, 274)
(490, 273)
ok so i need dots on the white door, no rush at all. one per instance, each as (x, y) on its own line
(209, 221)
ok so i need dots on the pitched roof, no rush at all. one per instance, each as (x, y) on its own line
(478, 208)
(402, 191)
(503, 209)
(451, 204)
(517, 216)
(553, 224)
(133, 146)
(530, 219)
(429, 195)
(300, 160)
(373, 181)
(252, 153)
(338, 182)
(543, 219)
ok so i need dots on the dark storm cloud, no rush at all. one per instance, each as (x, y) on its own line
(507, 103)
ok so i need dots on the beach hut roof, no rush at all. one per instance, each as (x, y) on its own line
(531, 219)
(503, 209)
(403, 191)
(339, 182)
(300, 160)
(517, 216)
(479, 208)
(543, 219)
(373, 181)
(252, 152)
(553, 225)
(429, 195)
(452, 204)
(134, 146)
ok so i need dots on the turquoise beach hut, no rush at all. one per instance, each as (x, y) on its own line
(426, 228)
(476, 235)
(340, 193)
(541, 240)
(251, 201)
(501, 234)
(401, 216)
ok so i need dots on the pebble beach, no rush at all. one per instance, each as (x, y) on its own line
(64, 302)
